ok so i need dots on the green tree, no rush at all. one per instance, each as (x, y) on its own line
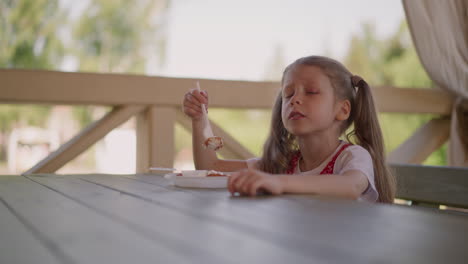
(110, 36)
(392, 61)
(364, 54)
(118, 36)
(28, 34)
(28, 37)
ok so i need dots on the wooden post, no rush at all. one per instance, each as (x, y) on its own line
(155, 138)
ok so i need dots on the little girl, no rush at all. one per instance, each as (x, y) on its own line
(318, 102)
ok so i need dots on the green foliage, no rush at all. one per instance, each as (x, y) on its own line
(364, 55)
(111, 36)
(407, 71)
(28, 39)
(28, 33)
(392, 61)
(32, 115)
(116, 36)
(83, 114)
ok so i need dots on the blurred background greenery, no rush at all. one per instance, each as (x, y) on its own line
(117, 36)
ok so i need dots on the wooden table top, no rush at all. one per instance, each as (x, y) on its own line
(143, 219)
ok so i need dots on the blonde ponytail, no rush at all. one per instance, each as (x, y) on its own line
(367, 133)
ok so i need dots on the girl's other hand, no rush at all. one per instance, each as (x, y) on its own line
(250, 181)
(193, 101)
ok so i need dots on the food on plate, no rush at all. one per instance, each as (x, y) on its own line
(201, 173)
(214, 143)
(213, 173)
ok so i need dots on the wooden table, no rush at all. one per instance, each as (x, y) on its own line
(142, 219)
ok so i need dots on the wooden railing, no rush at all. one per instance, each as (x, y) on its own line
(156, 101)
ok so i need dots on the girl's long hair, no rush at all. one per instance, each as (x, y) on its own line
(281, 145)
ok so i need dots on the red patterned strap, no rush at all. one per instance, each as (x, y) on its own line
(327, 170)
(293, 163)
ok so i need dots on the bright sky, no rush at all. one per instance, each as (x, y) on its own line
(235, 39)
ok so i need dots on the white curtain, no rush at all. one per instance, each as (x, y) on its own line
(439, 29)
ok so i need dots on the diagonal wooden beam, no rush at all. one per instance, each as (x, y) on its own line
(85, 139)
(232, 144)
(423, 142)
(232, 148)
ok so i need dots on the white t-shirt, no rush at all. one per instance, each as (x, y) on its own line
(353, 157)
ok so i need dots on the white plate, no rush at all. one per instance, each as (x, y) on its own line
(197, 182)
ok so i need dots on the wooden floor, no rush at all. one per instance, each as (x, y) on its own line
(143, 219)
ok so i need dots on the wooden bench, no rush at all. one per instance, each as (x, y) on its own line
(431, 185)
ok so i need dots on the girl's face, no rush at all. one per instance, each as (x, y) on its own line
(308, 101)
